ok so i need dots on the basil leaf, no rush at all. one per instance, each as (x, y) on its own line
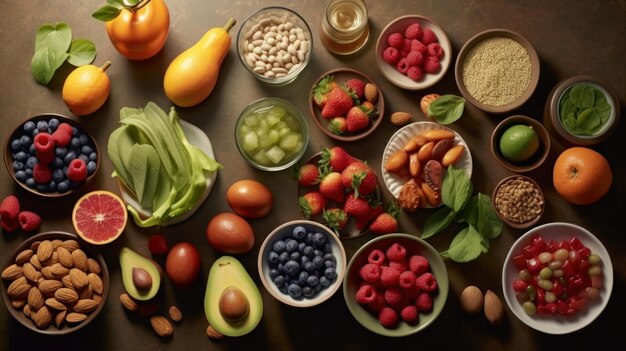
(44, 63)
(466, 246)
(107, 13)
(446, 109)
(81, 52)
(602, 106)
(437, 222)
(456, 188)
(582, 95)
(489, 225)
(56, 38)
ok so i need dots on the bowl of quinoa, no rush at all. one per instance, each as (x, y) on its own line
(497, 70)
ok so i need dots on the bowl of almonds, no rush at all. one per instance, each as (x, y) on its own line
(54, 284)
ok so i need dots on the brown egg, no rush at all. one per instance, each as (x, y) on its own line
(229, 233)
(249, 198)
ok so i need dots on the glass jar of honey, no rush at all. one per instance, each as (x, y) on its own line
(344, 28)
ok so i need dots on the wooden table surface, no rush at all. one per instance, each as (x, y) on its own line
(571, 38)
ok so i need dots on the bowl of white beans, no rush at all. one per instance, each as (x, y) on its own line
(275, 45)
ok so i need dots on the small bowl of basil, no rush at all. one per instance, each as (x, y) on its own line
(581, 110)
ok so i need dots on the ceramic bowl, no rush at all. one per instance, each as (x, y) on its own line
(499, 202)
(557, 323)
(553, 118)
(66, 327)
(491, 74)
(413, 246)
(534, 161)
(12, 148)
(257, 157)
(270, 16)
(341, 76)
(399, 79)
(284, 232)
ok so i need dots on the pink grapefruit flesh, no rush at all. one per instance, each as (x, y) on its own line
(99, 217)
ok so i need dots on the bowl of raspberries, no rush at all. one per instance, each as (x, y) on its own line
(396, 285)
(413, 52)
(51, 155)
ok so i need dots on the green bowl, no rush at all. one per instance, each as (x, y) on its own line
(413, 246)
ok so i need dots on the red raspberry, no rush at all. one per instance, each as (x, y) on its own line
(396, 253)
(407, 280)
(396, 40)
(376, 257)
(409, 314)
(519, 285)
(366, 295)
(415, 58)
(418, 264)
(10, 208)
(379, 303)
(44, 143)
(426, 282)
(158, 245)
(428, 36)
(29, 221)
(370, 273)
(415, 73)
(413, 31)
(387, 317)
(389, 277)
(406, 47)
(66, 128)
(62, 137)
(435, 49)
(9, 225)
(399, 266)
(417, 45)
(431, 64)
(396, 299)
(402, 65)
(391, 55)
(424, 302)
(77, 170)
(41, 173)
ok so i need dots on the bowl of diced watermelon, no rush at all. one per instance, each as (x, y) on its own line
(271, 134)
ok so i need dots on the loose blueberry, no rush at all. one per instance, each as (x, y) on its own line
(302, 277)
(75, 131)
(30, 182)
(34, 132)
(312, 280)
(86, 149)
(73, 185)
(21, 156)
(63, 186)
(308, 292)
(309, 251)
(299, 232)
(29, 126)
(330, 257)
(292, 268)
(309, 267)
(69, 157)
(53, 124)
(291, 245)
(309, 238)
(93, 156)
(57, 163)
(319, 239)
(301, 247)
(52, 186)
(330, 273)
(317, 252)
(16, 145)
(272, 256)
(31, 162)
(60, 152)
(84, 157)
(42, 126)
(279, 281)
(84, 140)
(91, 167)
(273, 273)
(281, 267)
(32, 150)
(296, 256)
(26, 141)
(283, 257)
(304, 259)
(327, 248)
(74, 143)
(324, 281)
(279, 246)
(29, 172)
(294, 291)
(318, 287)
(42, 188)
(318, 261)
(330, 264)
(21, 176)
(18, 166)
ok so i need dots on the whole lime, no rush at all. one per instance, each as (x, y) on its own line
(519, 143)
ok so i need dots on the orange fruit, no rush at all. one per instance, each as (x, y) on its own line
(86, 89)
(581, 175)
(99, 217)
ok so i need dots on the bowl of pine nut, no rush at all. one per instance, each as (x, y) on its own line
(519, 202)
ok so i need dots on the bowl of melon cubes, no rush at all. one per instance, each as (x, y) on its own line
(271, 134)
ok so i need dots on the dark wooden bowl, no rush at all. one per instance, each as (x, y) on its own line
(536, 160)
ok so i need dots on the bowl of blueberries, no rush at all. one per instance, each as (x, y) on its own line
(51, 155)
(302, 263)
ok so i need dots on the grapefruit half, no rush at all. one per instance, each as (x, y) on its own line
(99, 217)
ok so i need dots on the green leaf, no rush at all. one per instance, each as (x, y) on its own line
(567, 107)
(437, 222)
(456, 188)
(446, 109)
(81, 52)
(131, 2)
(144, 164)
(117, 3)
(56, 37)
(44, 63)
(489, 225)
(603, 107)
(582, 95)
(466, 246)
(107, 13)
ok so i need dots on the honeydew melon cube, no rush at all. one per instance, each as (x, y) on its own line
(244, 129)
(261, 158)
(269, 139)
(284, 131)
(251, 121)
(276, 112)
(275, 154)
(289, 142)
(250, 141)
(292, 123)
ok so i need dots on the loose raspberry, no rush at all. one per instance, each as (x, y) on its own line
(428, 36)
(379, 303)
(366, 295)
(406, 46)
(415, 58)
(409, 314)
(399, 266)
(396, 253)
(44, 143)
(417, 45)
(396, 299)
(431, 64)
(77, 171)
(42, 173)
(157, 244)
(389, 277)
(426, 282)
(391, 55)
(396, 40)
(62, 137)
(9, 225)
(10, 208)
(415, 73)
(402, 65)
(387, 317)
(407, 280)
(370, 273)
(435, 49)
(376, 257)
(66, 128)
(424, 302)
(29, 221)
(413, 31)
(418, 264)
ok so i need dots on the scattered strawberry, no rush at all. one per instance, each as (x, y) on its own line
(357, 207)
(335, 158)
(357, 119)
(357, 86)
(157, 244)
(307, 175)
(364, 183)
(321, 89)
(312, 203)
(348, 174)
(369, 108)
(338, 103)
(29, 221)
(335, 218)
(330, 186)
(338, 125)
(385, 223)
(10, 208)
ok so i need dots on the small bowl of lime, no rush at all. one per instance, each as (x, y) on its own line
(271, 134)
(520, 143)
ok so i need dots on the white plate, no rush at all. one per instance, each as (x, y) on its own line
(558, 324)
(198, 138)
(402, 136)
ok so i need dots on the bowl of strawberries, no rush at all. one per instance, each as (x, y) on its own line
(346, 104)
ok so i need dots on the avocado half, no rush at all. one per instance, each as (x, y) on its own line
(129, 259)
(227, 271)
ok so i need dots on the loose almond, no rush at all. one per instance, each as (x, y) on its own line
(18, 304)
(12, 272)
(175, 314)
(65, 257)
(34, 260)
(79, 278)
(371, 92)
(53, 259)
(493, 308)
(43, 317)
(80, 259)
(18, 289)
(75, 317)
(30, 272)
(213, 334)
(399, 119)
(93, 266)
(55, 304)
(49, 286)
(24, 256)
(59, 319)
(35, 298)
(67, 282)
(67, 296)
(47, 272)
(86, 292)
(96, 283)
(35, 245)
(128, 302)
(85, 306)
(58, 271)
(44, 251)
(471, 299)
(161, 326)
(97, 298)
(26, 311)
(70, 245)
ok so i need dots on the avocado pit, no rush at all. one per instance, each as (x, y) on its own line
(233, 304)
(142, 279)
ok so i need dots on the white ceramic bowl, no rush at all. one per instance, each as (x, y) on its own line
(558, 324)
(285, 231)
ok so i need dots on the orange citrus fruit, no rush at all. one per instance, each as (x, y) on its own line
(99, 217)
(581, 175)
(86, 89)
